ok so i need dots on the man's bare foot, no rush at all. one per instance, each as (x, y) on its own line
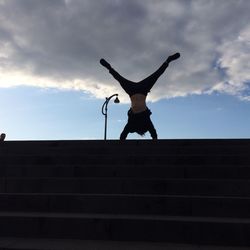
(105, 64)
(173, 57)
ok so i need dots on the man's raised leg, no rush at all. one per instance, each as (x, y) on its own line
(149, 82)
(125, 83)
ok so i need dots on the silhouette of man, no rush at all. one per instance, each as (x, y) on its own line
(139, 115)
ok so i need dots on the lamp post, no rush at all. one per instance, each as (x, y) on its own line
(105, 111)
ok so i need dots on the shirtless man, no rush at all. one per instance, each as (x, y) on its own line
(139, 115)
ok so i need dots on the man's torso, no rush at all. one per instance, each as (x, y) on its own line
(138, 103)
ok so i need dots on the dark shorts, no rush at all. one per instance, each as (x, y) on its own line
(139, 122)
(142, 87)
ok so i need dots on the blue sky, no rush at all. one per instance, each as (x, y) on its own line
(35, 114)
(52, 86)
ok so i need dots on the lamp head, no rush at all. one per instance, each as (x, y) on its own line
(116, 100)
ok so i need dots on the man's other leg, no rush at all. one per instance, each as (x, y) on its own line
(149, 82)
(125, 83)
(152, 131)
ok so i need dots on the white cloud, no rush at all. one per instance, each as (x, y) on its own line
(235, 62)
(58, 44)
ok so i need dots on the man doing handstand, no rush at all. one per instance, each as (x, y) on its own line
(139, 115)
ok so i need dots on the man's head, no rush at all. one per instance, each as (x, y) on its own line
(141, 131)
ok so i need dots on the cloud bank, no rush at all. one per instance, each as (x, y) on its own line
(58, 44)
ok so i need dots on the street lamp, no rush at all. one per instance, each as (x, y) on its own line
(105, 111)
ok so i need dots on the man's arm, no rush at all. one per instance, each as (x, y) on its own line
(124, 133)
(152, 132)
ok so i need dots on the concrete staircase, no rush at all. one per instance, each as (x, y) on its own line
(193, 192)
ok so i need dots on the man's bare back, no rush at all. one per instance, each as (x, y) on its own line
(138, 103)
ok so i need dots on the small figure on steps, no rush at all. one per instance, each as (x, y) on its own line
(2, 137)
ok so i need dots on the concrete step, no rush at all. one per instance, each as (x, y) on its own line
(85, 148)
(229, 187)
(128, 171)
(127, 204)
(14, 243)
(128, 159)
(180, 229)
(131, 150)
